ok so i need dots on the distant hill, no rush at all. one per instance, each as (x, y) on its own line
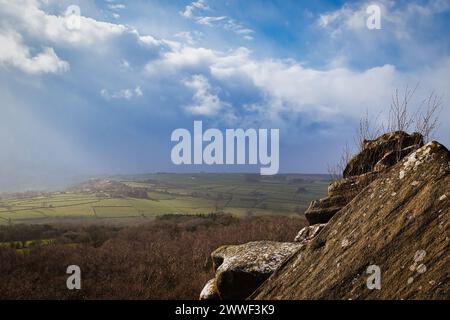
(150, 195)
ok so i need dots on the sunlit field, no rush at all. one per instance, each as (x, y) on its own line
(237, 194)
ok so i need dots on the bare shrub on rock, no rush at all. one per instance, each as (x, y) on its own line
(403, 116)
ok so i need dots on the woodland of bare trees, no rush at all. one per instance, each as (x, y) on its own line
(168, 258)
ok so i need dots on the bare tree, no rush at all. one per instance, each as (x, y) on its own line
(336, 171)
(333, 172)
(427, 119)
(400, 118)
(368, 130)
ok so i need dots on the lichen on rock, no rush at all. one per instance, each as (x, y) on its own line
(376, 157)
(391, 209)
(406, 235)
(308, 233)
(240, 269)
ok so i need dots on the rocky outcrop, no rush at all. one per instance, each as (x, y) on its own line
(242, 268)
(209, 292)
(322, 210)
(398, 224)
(382, 152)
(376, 156)
(390, 213)
(309, 233)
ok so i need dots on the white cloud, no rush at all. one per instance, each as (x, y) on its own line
(13, 52)
(239, 29)
(403, 40)
(205, 102)
(281, 86)
(189, 9)
(138, 92)
(398, 21)
(209, 21)
(126, 94)
(224, 22)
(25, 19)
(342, 20)
(287, 87)
(182, 57)
(116, 6)
(27, 16)
(189, 37)
(147, 40)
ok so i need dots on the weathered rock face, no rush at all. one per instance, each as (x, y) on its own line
(241, 269)
(322, 210)
(209, 292)
(351, 186)
(382, 152)
(377, 156)
(309, 233)
(340, 193)
(400, 223)
(390, 210)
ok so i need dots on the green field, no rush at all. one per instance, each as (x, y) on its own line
(202, 193)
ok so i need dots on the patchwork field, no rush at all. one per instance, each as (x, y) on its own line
(147, 196)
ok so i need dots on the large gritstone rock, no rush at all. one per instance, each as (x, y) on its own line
(340, 193)
(349, 188)
(209, 292)
(398, 225)
(309, 233)
(377, 156)
(385, 151)
(242, 268)
(322, 210)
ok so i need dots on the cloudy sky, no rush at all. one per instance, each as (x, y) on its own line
(103, 93)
